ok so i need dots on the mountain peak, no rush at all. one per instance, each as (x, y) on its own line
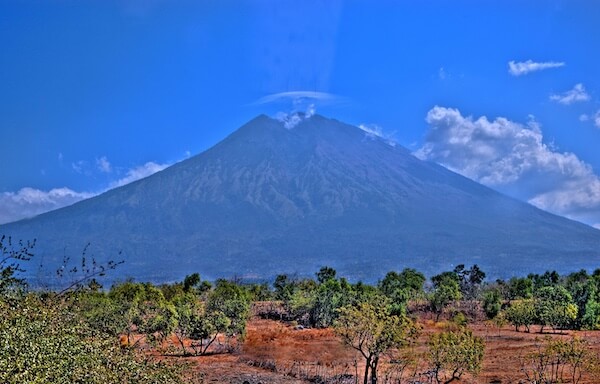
(269, 200)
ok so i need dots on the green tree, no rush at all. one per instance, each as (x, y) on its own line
(189, 311)
(191, 282)
(211, 325)
(284, 287)
(329, 297)
(401, 287)
(370, 329)
(591, 315)
(144, 310)
(521, 313)
(548, 279)
(554, 307)
(469, 280)
(492, 303)
(444, 276)
(453, 353)
(228, 300)
(325, 274)
(259, 292)
(327, 301)
(520, 288)
(446, 290)
(583, 290)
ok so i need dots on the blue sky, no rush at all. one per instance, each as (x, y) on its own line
(98, 93)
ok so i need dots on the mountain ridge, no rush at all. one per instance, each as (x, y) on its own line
(323, 193)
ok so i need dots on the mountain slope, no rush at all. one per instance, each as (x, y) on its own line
(268, 200)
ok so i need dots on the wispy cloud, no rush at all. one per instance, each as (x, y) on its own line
(29, 202)
(512, 157)
(597, 119)
(79, 166)
(442, 73)
(574, 95)
(138, 173)
(525, 67)
(103, 165)
(297, 96)
(374, 130)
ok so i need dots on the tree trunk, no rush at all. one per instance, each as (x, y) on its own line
(374, 370)
(367, 366)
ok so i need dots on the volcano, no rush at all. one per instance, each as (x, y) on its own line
(272, 199)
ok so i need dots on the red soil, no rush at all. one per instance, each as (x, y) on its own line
(274, 352)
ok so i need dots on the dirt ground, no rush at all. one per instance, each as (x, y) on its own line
(275, 352)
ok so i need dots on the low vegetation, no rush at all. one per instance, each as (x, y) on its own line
(134, 332)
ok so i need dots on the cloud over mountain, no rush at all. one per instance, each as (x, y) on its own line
(513, 158)
(29, 202)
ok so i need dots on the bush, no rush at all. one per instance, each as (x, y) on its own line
(44, 341)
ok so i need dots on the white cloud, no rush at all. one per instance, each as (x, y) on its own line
(524, 67)
(574, 95)
(103, 165)
(513, 158)
(584, 117)
(597, 119)
(293, 118)
(138, 173)
(29, 202)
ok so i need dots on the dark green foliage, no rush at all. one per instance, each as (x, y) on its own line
(520, 288)
(284, 287)
(548, 279)
(330, 296)
(325, 274)
(469, 280)
(401, 287)
(259, 292)
(492, 303)
(144, 309)
(446, 290)
(191, 281)
(231, 301)
(443, 277)
(316, 303)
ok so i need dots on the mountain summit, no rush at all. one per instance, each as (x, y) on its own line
(270, 199)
